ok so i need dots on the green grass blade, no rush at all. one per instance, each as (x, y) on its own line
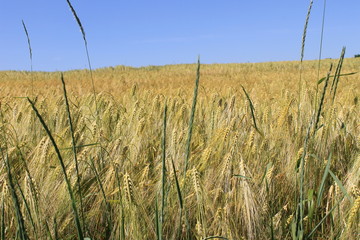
(241, 176)
(178, 190)
(188, 142)
(252, 110)
(78, 177)
(80, 146)
(122, 221)
(15, 198)
(323, 219)
(48, 230)
(268, 167)
(215, 237)
(4, 154)
(322, 184)
(341, 186)
(107, 204)
(70, 191)
(177, 184)
(56, 231)
(157, 220)
(3, 227)
(300, 206)
(341, 75)
(27, 208)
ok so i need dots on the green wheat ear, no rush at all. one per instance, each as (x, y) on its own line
(302, 53)
(192, 117)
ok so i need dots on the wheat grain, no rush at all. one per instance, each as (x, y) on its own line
(353, 212)
(129, 189)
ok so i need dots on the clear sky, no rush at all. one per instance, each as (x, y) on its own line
(159, 32)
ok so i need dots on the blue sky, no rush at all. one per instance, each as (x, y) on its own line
(159, 32)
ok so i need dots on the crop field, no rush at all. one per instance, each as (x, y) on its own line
(255, 151)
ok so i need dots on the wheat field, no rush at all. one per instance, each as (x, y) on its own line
(253, 166)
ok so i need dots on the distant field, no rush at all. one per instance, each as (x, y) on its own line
(246, 154)
(169, 79)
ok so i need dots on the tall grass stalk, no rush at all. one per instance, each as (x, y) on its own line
(74, 150)
(305, 30)
(31, 182)
(271, 218)
(107, 204)
(48, 230)
(320, 50)
(302, 54)
(30, 54)
(321, 37)
(26, 167)
(87, 52)
(324, 218)
(322, 99)
(188, 142)
(63, 168)
(157, 220)
(192, 117)
(300, 206)
(122, 220)
(323, 181)
(4, 154)
(345, 194)
(178, 190)
(19, 217)
(163, 173)
(56, 231)
(3, 227)
(27, 207)
(337, 74)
